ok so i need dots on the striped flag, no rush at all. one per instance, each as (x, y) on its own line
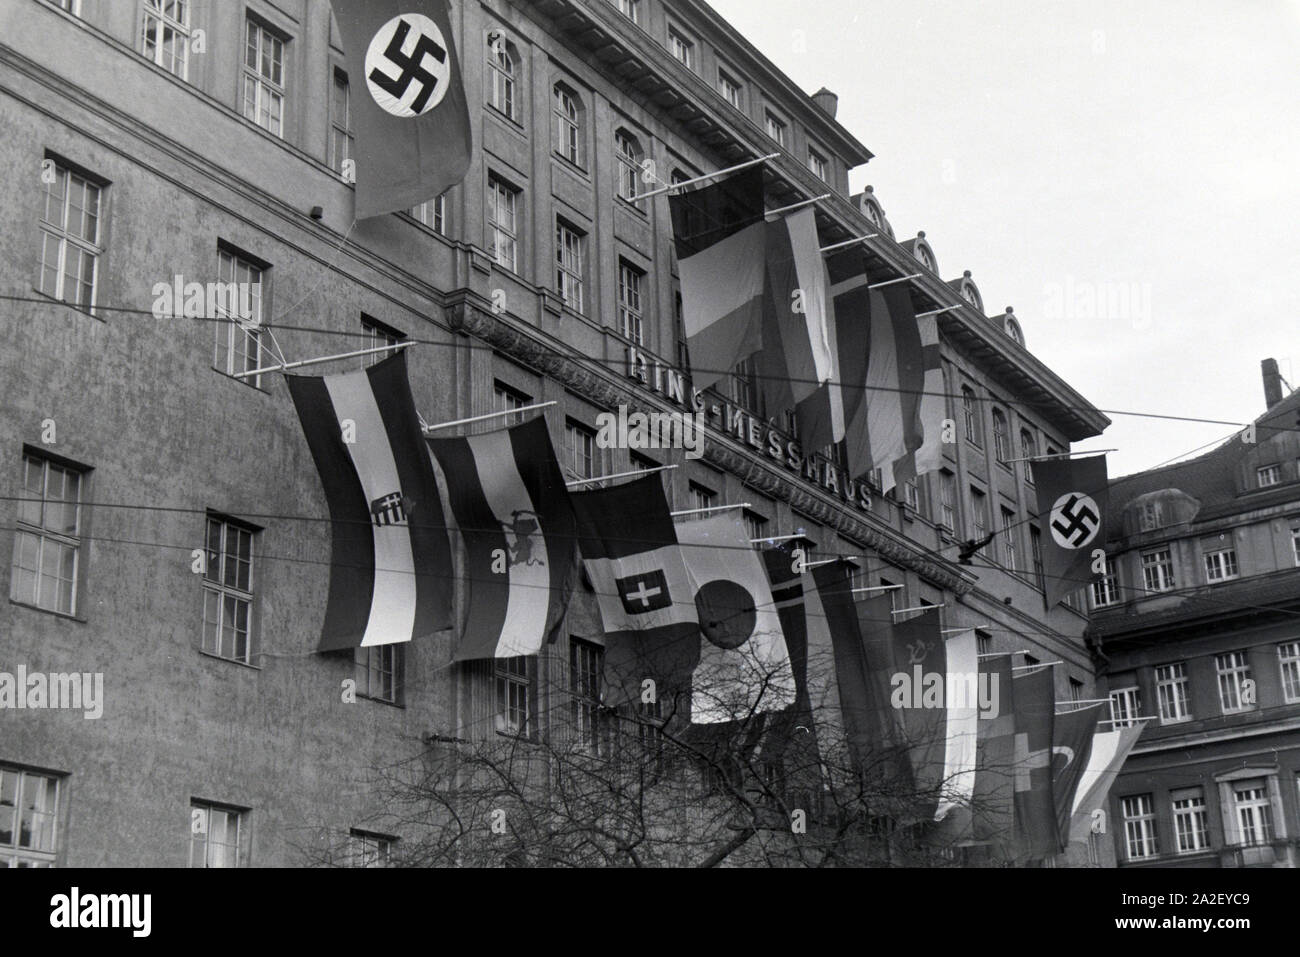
(721, 242)
(744, 667)
(923, 436)
(964, 697)
(646, 601)
(519, 538)
(1109, 751)
(800, 363)
(390, 562)
(851, 299)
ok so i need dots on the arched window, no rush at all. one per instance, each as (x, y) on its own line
(1028, 449)
(628, 153)
(1001, 437)
(873, 213)
(926, 258)
(568, 124)
(970, 292)
(970, 415)
(1012, 328)
(503, 75)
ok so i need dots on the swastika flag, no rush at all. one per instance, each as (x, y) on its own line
(1072, 495)
(406, 99)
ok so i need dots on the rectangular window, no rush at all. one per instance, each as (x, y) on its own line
(432, 213)
(1124, 707)
(1288, 656)
(1036, 555)
(47, 536)
(1254, 812)
(582, 457)
(1009, 539)
(342, 138)
(367, 849)
(1001, 436)
(1171, 689)
(1076, 689)
(630, 307)
(701, 497)
(1221, 565)
(970, 416)
(1140, 826)
(729, 88)
(983, 643)
(628, 153)
(503, 226)
(70, 238)
(216, 836)
(682, 49)
(239, 336)
(1105, 591)
(776, 128)
(630, 9)
(376, 336)
(29, 818)
(72, 6)
(755, 526)
(1190, 820)
(948, 500)
(1158, 570)
(1269, 475)
(586, 662)
(979, 507)
(264, 77)
(568, 132)
(1233, 670)
(228, 590)
(1295, 544)
(514, 685)
(912, 495)
(380, 672)
(505, 398)
(165, 35)
(819, 165)
(568, 264)
(503, 67)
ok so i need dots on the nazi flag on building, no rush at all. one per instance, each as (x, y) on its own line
(1072, 511)
(407, 100)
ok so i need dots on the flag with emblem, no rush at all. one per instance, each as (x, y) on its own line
(923, 412)
(390, 561)
(743, 666)
(516, 534)
(1072, 734)
(647, 605)
(1036, 834)
(406, 99)
(1109, 751)
(721, 241)
(1072, 495)
(799, 364)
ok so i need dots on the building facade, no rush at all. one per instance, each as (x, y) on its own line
(1196, 628)
(164, 517)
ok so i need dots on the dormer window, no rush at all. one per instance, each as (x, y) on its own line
(1151, 517)
(819, 165)
(1269, 475)
(1012, 329)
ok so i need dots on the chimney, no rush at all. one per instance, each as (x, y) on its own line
(1272, 383)
(827, 101)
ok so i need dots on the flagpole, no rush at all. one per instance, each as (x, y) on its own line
(899, 611)
(602, 478)
(1041, 664)
(857, 591)
(775, 538)
(937, 312)
(284, 366)
(848, 242)
(484, 418)
(799, 205)
(1058, 455)
(711, 508)
(999, 654)
(890, 282)
(700, 179)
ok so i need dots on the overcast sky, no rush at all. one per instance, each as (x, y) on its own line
(1143, 156)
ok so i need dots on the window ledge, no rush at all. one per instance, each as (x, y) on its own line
(401, 705)
(71, 305)
(49, 611)
(230, 661)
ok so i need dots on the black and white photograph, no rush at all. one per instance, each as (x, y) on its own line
(657, 435)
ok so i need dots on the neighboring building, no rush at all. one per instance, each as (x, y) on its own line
(225, 739)
(1197, 628)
